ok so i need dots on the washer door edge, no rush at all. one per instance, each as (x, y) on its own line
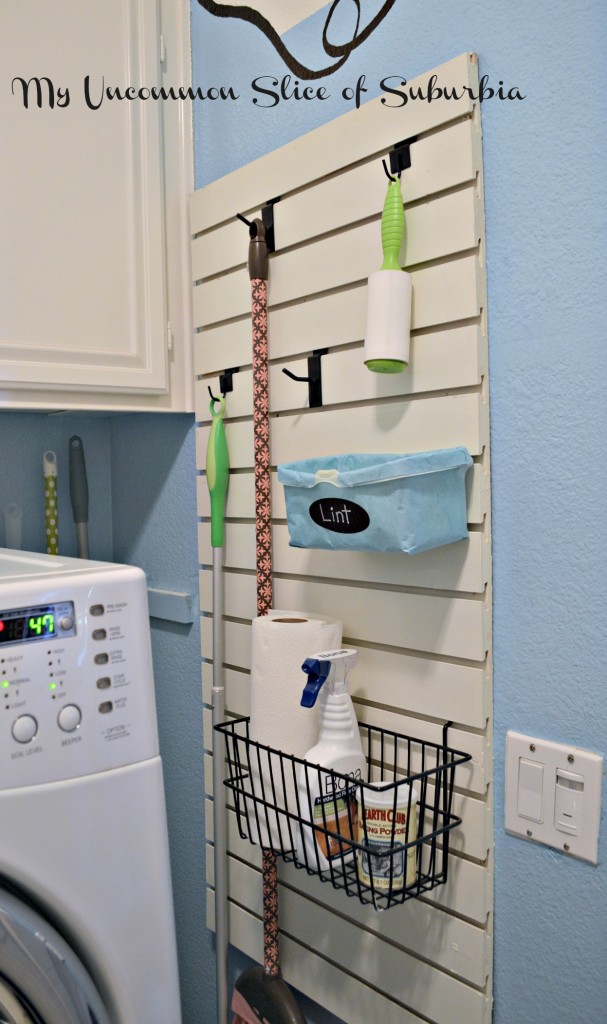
(42, 973)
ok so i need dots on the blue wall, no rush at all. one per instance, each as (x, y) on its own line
(24, 437)
(545, 208)
(154, 517)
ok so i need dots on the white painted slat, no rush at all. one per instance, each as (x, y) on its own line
(466, 892)
(440, 228)
(359, 193)
(435, 226)
(454, 945)
(336, 319)
(458, 567)
(422, 686)
(311, 974)
(374, 128)
(438, 162)
(415, 984)
(442, 294)
(471, 838)
(409, 425)
(440, 360)
(470, 776)
(241, 497)
(453, 627)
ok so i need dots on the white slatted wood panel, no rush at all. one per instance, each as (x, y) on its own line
(459, 567)
(465, 893)
(241, 498)
(421, 624)
(460, 950)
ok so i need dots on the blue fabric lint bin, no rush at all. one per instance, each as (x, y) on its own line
(404, 503)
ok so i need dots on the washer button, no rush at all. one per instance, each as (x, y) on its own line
(97, 609)
(69, 718)
(101, 659)
(104, 683)
(106, 707)
(24, 728)
(66, 622)
(99, 634)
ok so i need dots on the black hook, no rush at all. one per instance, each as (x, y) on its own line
(388, 172)
(267, 219)
(226, 382)
(400, 156)
(314, 378)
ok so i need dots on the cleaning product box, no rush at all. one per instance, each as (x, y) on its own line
(407, 503)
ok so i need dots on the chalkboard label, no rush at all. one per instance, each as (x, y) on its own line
(339, 516)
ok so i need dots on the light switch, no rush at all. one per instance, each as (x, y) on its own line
(530, 789)
(553, 794)
(569, 802)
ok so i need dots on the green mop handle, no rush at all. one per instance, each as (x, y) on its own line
(218, 469)
(392, 226)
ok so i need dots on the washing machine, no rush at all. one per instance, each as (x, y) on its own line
(87, 932)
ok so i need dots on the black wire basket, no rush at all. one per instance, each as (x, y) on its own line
(384, 839)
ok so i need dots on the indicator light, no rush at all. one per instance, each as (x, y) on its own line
(5, 684)
(52, 686)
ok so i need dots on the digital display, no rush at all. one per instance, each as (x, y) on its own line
(28, 624)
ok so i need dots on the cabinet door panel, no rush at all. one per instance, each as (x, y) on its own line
(82, 303)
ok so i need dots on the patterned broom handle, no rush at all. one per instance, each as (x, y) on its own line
(261, 441)
(258, 273)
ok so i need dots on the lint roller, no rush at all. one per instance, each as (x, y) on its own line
(389, 294)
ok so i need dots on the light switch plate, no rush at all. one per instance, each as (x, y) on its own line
(553, 794)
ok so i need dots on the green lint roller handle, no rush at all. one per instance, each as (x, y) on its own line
(392, 226)
(218, 470)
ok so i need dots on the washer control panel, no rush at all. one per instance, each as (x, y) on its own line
(76, 686)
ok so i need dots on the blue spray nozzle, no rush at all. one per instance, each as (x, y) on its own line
(317, 672)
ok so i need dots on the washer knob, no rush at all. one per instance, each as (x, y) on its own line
(69, 718)
(24, 728)
(66, 622)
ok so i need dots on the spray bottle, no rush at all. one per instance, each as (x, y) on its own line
(327, 801)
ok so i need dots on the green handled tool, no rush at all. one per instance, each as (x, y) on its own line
(392, 226)
(389, 294)
(218, 471)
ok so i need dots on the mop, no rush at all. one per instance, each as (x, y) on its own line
(217, 468)
(260, 993)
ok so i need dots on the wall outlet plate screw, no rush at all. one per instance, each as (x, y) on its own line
(566, 847)
(571, 758)
(529, 832)
(532, 746)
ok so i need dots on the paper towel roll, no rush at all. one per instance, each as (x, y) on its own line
(388, 316)
(281, 641)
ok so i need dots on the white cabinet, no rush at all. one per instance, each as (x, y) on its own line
(94, 307)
